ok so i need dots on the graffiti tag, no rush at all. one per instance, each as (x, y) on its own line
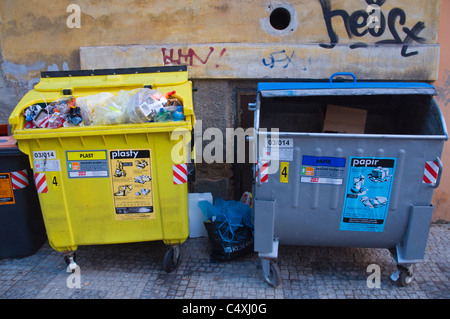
(372, 21)
(280, 58)
(191, 57)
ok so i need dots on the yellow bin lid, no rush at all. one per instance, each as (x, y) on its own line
(59, 84)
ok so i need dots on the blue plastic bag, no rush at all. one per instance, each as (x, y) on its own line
(229, 226)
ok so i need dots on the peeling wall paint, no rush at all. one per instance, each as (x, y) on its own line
(21, 70)
(18, 79)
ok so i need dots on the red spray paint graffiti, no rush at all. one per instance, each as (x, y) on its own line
(190, 58)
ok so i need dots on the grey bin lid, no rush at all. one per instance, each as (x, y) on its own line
(347, 91)
(330, 88)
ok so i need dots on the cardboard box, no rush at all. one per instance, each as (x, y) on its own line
(341, 119)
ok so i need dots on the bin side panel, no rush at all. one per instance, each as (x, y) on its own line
(412, 248)
(83, 211)
(264, 225)
(314, 218)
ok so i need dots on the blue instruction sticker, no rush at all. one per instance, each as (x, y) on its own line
(322, 170)
(367, 195)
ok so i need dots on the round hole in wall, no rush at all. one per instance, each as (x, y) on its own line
(280, 18)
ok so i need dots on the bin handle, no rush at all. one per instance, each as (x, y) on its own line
(342, 73)
(252, 107)
(438, 179)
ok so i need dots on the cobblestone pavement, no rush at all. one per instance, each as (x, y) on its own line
(135, 271)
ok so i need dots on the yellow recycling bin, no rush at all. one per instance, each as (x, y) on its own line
(119, 180)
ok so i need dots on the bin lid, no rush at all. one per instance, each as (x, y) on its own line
(79, 80)
(279, 89)
(79, 83)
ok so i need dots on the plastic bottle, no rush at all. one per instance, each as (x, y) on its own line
(163, 115)
(178, 114)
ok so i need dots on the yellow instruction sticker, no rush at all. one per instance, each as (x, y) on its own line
(132, 184)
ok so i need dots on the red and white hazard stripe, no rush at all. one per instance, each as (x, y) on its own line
(19, 179)
(41, 182)
(430, 172)
(264, 172)
(180, 174)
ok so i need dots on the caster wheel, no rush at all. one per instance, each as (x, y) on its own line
(404, 275)
(70, 261)
(273, 277)
(67, 258)
(406, 278)
(171, 259)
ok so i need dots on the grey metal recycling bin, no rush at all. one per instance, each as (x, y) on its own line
(354, 165)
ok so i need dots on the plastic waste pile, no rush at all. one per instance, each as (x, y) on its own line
(136, 106)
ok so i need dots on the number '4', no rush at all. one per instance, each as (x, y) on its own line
(284, 172)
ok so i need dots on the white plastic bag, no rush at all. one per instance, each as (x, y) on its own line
(95, 109)
(144, 105)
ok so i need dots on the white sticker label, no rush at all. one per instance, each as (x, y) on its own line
(278, 149)
(280, 142)
(42, 155)
(281, 154)
(47, 166)
(321, 180)
(89, 174)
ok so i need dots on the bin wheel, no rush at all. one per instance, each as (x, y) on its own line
(273, 278)
(406, 276)
(171, 259)
(70, 259)
(67, 258)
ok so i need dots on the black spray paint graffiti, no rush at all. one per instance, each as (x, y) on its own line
(361, 22)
